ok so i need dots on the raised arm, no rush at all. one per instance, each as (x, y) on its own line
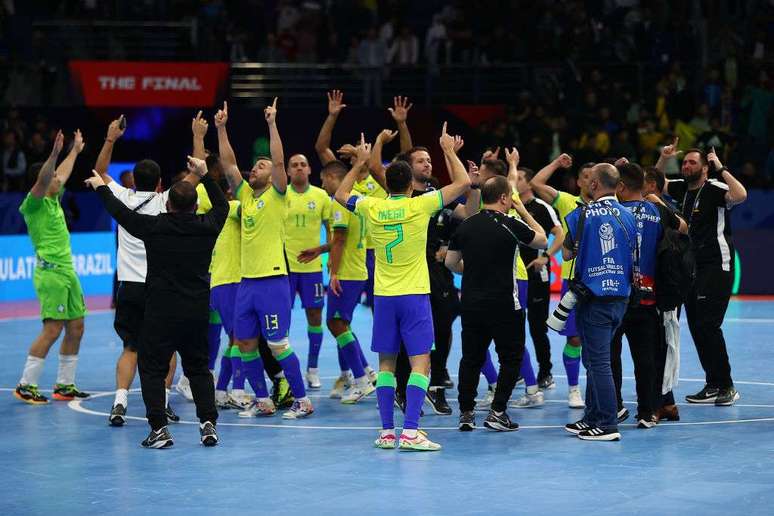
(279, 178)
(114, 132)
(199, 129)
(399, 112)
(539, 183)
(323, 144)
(736, 193)
(46, 173)
(345, 188)
(135, 223)
(668, 152)
(227, 157)
(65, 168)
(540, 241)
(460, 181)
(216, 217)
(512, 158)
(375, 161)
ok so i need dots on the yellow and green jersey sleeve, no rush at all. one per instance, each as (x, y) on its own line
(521, 269)
(225, 267)
(398, 228)
(205, 205)
(263, 232)
(306, 213)
(564, 203)
(368, 187)
(352, 265)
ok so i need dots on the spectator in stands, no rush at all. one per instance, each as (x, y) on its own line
(372, 53)
(405, 49)
(14, 163)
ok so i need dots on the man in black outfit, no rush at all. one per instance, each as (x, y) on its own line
(485, 250)
(179, 247)
(706, 204)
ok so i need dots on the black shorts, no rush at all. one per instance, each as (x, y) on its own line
(130, 312)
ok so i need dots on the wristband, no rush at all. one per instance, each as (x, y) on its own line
(721, 169)
(475, 187)
(109, 140)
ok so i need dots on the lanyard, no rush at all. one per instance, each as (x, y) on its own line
(695, 202)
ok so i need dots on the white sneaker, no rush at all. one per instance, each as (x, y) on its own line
(358, 392)
(313, 380)
(341, 384)
(184, 388)
(300, 409)
(372, 375)
(239, 399)
(574, 399)
(221, 400)
(486, 402)
(529, 401)
(261, 408)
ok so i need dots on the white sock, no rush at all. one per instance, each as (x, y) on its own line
(410, 433)
(369, 369)
(66, 372)
(532, 389)
(349, 376)
(32, 370)
(236, 393)
(387, 431)
(281, 374)
(122, 397)
(312, 370)
(166, 397)
(346, 373)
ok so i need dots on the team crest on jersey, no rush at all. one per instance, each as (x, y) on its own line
(261, 204)
(337, 216)
(371, 186)
(311, 205)
(60, 309)
(606, 238)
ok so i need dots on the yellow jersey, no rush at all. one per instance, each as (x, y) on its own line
(398, 227)
(225, 266)
(263, 232)
(521, 269)
(352, 265)
(306, 213)
(368, 187)
(564, 203)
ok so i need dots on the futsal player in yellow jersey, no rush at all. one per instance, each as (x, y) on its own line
(263, 298)
(564, 203)
(308, 210)
(402, 285)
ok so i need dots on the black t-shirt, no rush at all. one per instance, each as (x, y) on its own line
(546, 217)
(489, 243)
(709, 221)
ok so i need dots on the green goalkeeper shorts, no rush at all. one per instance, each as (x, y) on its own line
(60, 294)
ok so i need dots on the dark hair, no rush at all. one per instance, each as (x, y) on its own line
(607, 175)
(406, 156)
(632, 176)
(335, 167)
(146, 175)
(398, 176)
(701, 153)
(212, 160)
(657, 176)
(494, 188)
(497, 166)
(182, 196)
(262, 158)
(589, 164)
(528, 173)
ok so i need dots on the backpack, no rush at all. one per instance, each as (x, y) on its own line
(674, 269)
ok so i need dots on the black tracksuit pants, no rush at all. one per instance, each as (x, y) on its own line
(538, 298)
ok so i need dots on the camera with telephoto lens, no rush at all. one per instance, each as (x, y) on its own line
(576, 292)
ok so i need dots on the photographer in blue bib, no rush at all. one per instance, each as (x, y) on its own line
(601, 239)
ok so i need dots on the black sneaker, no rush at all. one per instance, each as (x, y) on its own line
(546, 382)
(622, 415)
(30, 394)
(706, 395)
(436, 397)
(117, 414)
(727, 397)
(500, 422)
(171, 416)
(208, 434)
(467, 421)
(646, 421)
(400, 402)
(447, 383)
(599, 434)
(158, 439)
(577, 427)
(281, 394)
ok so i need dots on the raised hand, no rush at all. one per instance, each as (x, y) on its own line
(446, 140)
(363, 150)
(512, 156)
(458, 143)
(335, 104)
(221, 117)
(670, 151)
(199, 125)
(114, 131)
(491, 154)
(197, 166)
(475, 177)
(563, 161)
(347, 150)
(58, 144)
(386, 136)
(95, 181)
(620, 161)
(712, 157)
(400, 109)
(78, 143)
(270, 113)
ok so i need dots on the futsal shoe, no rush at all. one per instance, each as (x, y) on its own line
(500, 422)
(726, 397)
(574, 399)
(598, 434)
(467, 421)
(447, 382)
(171, 416)
(238, 399)
(281, 394)
(530, 401)
(340, 386)
(221, 400)
(420, 442)
(259, 409)
(546, 382)
(486, 403)
(646, 422)
(301, 408)
(622, 415)
(386, 440)
(372, 375)
(183, 386)
(68, 392)
(668, 413)
(436, 397)
(209, 437)
(30, 394)
(357, 392)
(577, 427)
(117, 414)
(313, 380)
(158, 439)
(706, 395)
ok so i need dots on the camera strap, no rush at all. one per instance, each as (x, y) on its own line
(578, 237)
(636, 262)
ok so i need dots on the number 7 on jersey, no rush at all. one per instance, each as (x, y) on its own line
(398, 228)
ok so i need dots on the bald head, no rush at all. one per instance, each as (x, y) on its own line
(604, 180)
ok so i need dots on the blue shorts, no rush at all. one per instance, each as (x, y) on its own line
(570, 330)
(343, 306)
(369, 285)
(223, 301)
(522, 285)
(262, 306)
(403, 318)
(309, 286)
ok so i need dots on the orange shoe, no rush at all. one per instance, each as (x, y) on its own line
(30, 394)
(67, 392)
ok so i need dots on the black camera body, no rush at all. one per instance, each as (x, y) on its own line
(581, 291)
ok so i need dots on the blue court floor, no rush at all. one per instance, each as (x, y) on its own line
(64, 458)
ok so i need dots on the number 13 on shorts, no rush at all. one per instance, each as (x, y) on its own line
(272, 321)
